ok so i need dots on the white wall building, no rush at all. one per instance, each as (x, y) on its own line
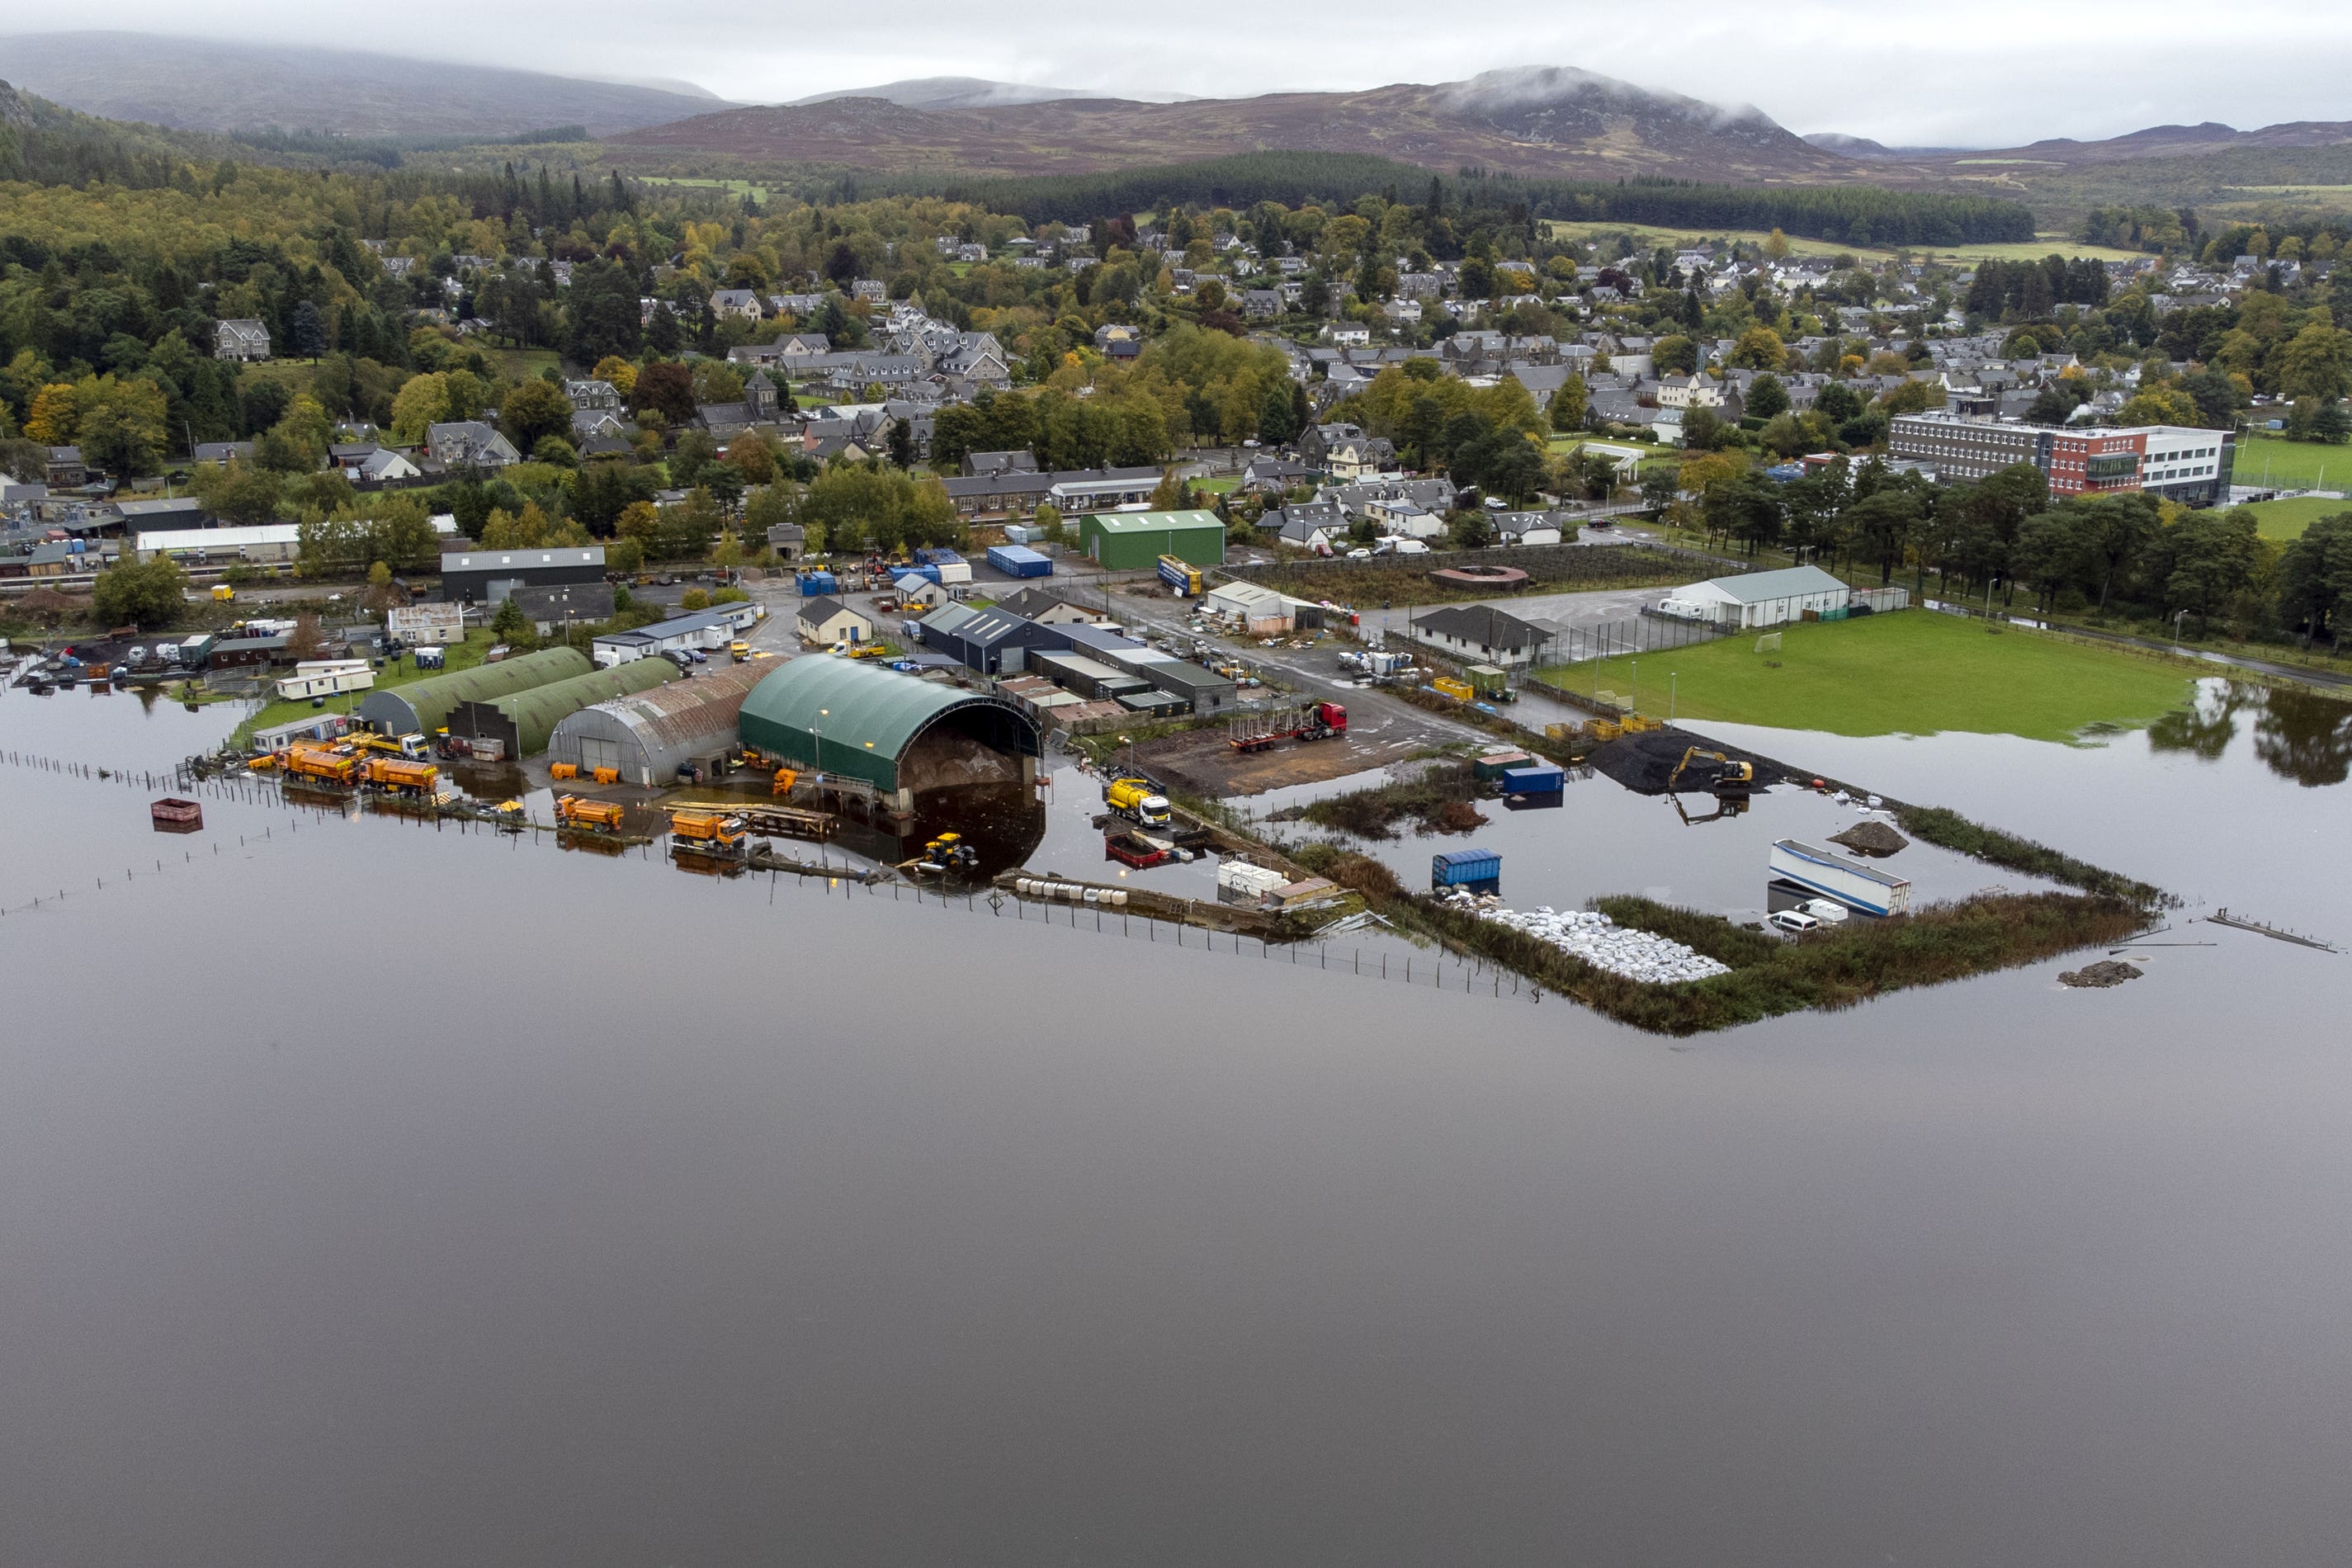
(1758, 598)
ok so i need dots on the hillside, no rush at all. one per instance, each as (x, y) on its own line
(1536, 122)
(2166, 141)
(948, 92)
(208, 85)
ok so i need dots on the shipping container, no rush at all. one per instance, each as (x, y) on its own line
(1539, 778)
(1495, 764)
(1019, 561)
(813, 584)
(1475, 868)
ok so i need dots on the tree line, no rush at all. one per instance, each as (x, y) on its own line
(2130, 556)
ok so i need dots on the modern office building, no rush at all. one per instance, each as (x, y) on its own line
(2176, 462)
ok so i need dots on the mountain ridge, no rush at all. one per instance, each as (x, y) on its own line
(1537, 121)
(199, 84)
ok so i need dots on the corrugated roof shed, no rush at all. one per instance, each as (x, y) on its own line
(536, 713)
(647, 734)
(424, 706)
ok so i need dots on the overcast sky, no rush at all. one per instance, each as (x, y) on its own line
(1987, 73)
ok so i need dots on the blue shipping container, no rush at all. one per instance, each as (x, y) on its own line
(1461, 868)
(1019, 561)
(1534, 781)
(929, 574)
(938, 555)
(813, 584)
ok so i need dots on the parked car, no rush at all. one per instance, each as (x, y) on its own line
(1796, 923)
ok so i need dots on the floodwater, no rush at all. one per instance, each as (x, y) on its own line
(375, 1192)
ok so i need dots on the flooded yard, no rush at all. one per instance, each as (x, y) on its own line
(503, 1203)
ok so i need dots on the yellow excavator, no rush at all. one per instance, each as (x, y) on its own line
(1728, 778)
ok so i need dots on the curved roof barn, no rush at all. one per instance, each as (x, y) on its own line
(899, 732)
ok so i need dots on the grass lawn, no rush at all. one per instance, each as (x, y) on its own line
(2296, 465)
(1651, 456)
(1216, 487)
(2288, 519)
(522, 365)
(1913, 673)
(462, 655)
(758, 192)
(2034, 249)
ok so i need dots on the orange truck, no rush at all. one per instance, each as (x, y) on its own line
(402, 776)
(571, 811)
(320, 763)
(708, 831)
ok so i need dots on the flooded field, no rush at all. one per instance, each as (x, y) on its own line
(377, 1191)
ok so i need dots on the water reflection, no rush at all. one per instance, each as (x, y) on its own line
(2205, 728)
(2298, 735)
(2305, 737)
(1004, 823)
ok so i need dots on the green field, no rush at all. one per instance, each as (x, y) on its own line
(2034, 249)
(1652, 457)
(399, 672)
(2269, 461)
(2288, 519)
(1911, 673)
(758, 192)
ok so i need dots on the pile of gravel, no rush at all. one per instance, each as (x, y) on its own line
(1600, 941)
(1871, 838)
(2106, 972)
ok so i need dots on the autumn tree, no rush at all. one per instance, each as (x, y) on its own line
(533, 411)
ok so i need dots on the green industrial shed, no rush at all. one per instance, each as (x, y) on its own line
(424, 706)
(1135, 540)
(521, 721)
(899, 732)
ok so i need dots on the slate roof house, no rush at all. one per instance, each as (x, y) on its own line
(243, 340)
(469, 444)
(1480, 632)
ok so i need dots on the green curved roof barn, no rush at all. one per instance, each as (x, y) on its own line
(425, 706)
(535, 713)
(847, 716)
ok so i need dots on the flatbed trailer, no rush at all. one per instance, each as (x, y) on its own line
(768, 817)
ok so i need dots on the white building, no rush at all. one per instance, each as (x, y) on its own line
(712, 629)
(1758, 598)
(1249, 602)
(326, 676)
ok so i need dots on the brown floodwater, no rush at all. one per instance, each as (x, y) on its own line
(374, 1192)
